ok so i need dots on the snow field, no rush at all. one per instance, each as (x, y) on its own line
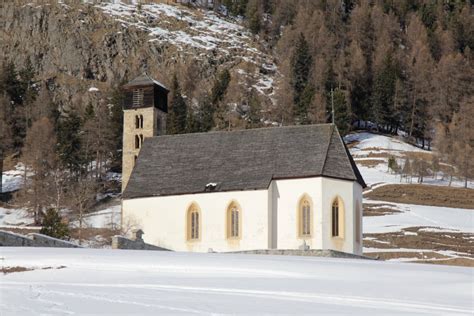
(150, 283)
(411, 215)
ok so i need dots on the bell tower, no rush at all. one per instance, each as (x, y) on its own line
(144, 115)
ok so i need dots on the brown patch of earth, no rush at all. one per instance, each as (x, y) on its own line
(379, 209)
(430, 243)
(462, 262)
(369, 163)
(424, 195)
(6, 270)
(23, 230)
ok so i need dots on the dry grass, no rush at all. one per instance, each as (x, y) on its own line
(6, 270)
(370, 163)
(430, 243)
(424, 195)
(379, 209)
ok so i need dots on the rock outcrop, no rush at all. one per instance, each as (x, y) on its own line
(74, 47)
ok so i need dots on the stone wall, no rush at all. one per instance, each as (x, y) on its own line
(9, 239)
(120, 242)
(309, 253)
(47, 241)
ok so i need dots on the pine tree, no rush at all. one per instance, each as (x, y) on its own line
(342, 116)
(383, 94)
(254, 110)
(40, 159)
(177, 114)
(53, 225)
(301, 63)
(69, 142)
(253, 16)
(205, 115)
(220, 86)
(117, 100)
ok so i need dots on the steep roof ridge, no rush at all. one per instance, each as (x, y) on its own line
(143, 78)
(355, 171)
(235, 131)
(327, 148)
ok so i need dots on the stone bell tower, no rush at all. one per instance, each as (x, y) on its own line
(144, 115)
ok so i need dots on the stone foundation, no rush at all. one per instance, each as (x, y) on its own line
(120, 242)
(308, 253)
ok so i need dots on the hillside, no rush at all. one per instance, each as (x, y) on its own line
(86, 281)
(81, 51)
(405, 220)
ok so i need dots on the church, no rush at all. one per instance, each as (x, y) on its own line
(293, 187)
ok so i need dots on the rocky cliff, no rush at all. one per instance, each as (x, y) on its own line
(76, 47)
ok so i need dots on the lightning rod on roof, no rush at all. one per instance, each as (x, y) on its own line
(332, 104)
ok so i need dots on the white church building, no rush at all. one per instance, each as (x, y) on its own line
(268, 188)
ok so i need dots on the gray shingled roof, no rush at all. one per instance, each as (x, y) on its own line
(144, 80)
(238, 160)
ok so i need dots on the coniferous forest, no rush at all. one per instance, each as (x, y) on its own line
(393, 67)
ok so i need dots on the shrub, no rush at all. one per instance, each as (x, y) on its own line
(53, 225)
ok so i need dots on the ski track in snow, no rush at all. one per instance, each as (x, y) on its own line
(147, 283)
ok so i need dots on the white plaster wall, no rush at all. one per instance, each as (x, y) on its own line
(358, 246)
(286, 197)
(332, 188)
(163, 219)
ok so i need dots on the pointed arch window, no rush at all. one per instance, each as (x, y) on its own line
(137, 142)
(193, 223)
(234, 218)
(137, 121)
(141, 121)
(337, 218)
(305, 217)
(141, 140)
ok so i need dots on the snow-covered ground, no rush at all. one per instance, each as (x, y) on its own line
(373, 144)
(14, 217)
(12, 180)
(106, 218)
(155, 283)
(440, 218)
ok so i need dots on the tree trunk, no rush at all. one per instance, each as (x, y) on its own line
(412, 123)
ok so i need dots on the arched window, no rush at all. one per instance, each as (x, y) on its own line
(141, 121)
(137, 121)
(193, 223)
(141, 140)
(137, 142)
(337, 212)
(234, 221)
(358, 220)
(304, 217)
